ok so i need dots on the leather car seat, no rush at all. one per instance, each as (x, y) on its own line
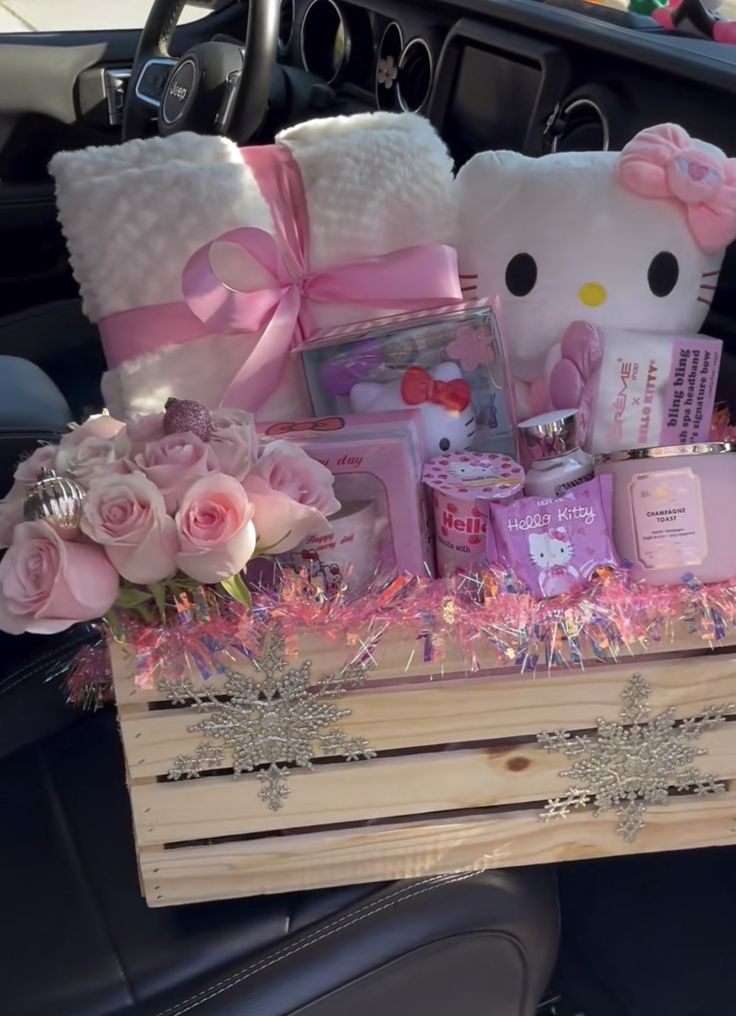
(78, 940)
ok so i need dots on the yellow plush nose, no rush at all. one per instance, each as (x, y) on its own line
(592, 295)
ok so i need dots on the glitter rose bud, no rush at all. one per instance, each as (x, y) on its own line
(184, 416)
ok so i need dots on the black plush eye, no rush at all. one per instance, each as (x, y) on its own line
(663, 273)
(445, 444)
(521, 274)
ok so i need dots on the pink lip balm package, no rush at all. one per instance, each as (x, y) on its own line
(555, 544)
(463, 485)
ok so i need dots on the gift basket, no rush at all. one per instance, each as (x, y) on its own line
(409, 552)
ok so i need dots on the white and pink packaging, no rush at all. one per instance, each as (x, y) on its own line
(463, 486)
(383, 527)
(636, 389)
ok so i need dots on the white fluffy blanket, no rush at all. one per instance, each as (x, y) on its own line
(133, 215)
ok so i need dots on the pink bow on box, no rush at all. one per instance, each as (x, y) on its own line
(410, 279)
(665, 162)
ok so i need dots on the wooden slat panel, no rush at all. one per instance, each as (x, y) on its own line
(398, 657)
(382, 788)
(474, 710)
(345, 857)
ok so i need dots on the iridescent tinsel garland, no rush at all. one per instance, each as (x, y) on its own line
(611, 617)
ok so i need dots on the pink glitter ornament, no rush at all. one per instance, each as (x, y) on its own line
(187, 416)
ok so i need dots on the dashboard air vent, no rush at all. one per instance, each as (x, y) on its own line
(387, 67)
(325, 40)
(415, 76)
(580, 125)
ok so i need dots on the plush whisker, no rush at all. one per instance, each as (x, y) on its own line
(703, 300)
(703, 285)
(707, 275)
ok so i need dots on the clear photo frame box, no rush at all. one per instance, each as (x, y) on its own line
(448, 363)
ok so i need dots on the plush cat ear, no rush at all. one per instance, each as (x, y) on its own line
(366, 397)
(491, 178)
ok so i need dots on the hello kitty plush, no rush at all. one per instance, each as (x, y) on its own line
(552, 553)
(442, 397)
(629, 240)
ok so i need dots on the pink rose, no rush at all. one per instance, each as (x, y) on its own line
(101, 425)
(26, 474)
(174, 462)
(127, 515)
(29, 469)
(139, 432)
(217, 537)
(11, 515)
(280, 521)
(287, 468)
(89, 451)
(89, 459)
(47, 584)
(234, 441)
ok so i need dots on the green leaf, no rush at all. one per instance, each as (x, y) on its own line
(144, 613)
(237, 589)
(158, 591)
(112, 621)
(129, 597)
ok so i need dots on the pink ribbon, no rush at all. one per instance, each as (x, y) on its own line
(410, 279)
(665, 162)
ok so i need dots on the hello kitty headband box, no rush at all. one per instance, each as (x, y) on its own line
(447, 363)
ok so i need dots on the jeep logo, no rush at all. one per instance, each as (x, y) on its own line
(178, 92)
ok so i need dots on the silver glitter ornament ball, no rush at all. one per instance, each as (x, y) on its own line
(185, 416)
(56, 500)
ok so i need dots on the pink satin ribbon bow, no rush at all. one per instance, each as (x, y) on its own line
(665, 162)
(410, 279)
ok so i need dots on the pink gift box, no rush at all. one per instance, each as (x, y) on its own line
(377, 463)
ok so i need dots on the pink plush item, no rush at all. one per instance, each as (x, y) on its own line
(631, 241)
(665, 162)
(573, 378)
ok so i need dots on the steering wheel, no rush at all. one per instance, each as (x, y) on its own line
(214, 88)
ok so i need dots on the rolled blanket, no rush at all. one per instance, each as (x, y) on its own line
(135, 215)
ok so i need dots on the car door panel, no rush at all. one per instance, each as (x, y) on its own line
(54, 96)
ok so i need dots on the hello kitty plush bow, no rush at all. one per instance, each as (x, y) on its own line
(417, 386)
(665, 162)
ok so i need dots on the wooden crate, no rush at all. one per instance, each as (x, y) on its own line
(459, 782)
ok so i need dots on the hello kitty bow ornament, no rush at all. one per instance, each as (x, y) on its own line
(418, 386)
(441, 395)
(665, 162)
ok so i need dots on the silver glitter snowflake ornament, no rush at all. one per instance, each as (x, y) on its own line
(271, 721)
(629, 765)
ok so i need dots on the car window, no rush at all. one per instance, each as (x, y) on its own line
(80, 15)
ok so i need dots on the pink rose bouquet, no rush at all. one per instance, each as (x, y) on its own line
(134, 518)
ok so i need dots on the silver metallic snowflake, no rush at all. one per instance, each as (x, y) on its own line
(277, 718)
(629, 765)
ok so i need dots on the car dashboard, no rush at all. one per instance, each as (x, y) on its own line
(535, 77)
(519, 74)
